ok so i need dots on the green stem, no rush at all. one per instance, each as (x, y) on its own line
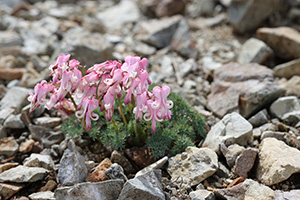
(122, 113)
(113, 121)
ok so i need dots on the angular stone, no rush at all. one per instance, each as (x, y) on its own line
(242, 88)
(22, 174)
(10, 38)
(50, 122)
(249, 189)
(16, 97)
(124, 12)
(244, 162)
(8, 190)
(290, 195)
(291, 86)
(157, 165)
(232, 129)
(115, 171)
(99, 173)
(9, 74)
(285, 41)
(160, 32)
(284, 105)
(193, 166)
(169, 7)
(7, 166)
(274, 166)
(272, 134)
(147, 186)
(14, 122)
(48, 195)
(231, 153)
(108, 190)
(26, 146)
(117, 157)
(8, 146)
(197, 8)
(72, 168)
(88, 48)
(38, 160)
(50, 186)
(254, 51)
(287, 70)
(248, 15)
(202, 194)
(5, 113)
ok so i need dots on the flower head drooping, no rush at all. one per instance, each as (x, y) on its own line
(88, 105)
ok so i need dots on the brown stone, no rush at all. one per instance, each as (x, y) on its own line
(50, 186)
(236, 182)
(99, 173)
(7, 166)
(169, 7)
(26, 146)
(285, 41)
(11, 74)
(117, 157)
(7, 190)
(140, 156)
(8, 146)
(245, 161)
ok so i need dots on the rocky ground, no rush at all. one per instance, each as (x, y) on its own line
(235, 62)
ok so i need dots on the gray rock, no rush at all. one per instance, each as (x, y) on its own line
(124, 12)
(245, 162)
(285, 105)
(8, 146)
(272, 134)
(168, 7)
(160, 32)
(14, 122)
(259, 118)
(117, 157)
(38, 160)
(294, 14)
(50, 122)
(5, 113)
(45, 135)
(115, 171)
(290, 195)
(287, 70)
(10, 38)
(157, 165)
(249, 189)
(231, 153)
(147, 186)
(93, 24)
(202, 194)
(16, 97)
(256, 51)
(88, 48)
(283, 40)
(274, 166)
(47, 195)
(105, 190)
(232, 129)
(223, 171)
(181, 41)
(22, 174)
(144, 49)
(242, 88)
(197, 8)
(248, 15)
(291, 86)
(8, 190)
(193, 166)
(72, 168)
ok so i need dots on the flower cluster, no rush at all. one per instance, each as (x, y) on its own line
(75, 89)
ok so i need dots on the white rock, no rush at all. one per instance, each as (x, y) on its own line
(202, 195)
(38, 160)
(22, 174)
(285, 105)
(47, 195)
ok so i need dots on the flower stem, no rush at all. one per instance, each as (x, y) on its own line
(122, 113)
(113, 121)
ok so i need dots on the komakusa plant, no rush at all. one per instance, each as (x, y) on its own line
(109, 101)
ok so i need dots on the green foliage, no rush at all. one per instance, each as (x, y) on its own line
(172, 136)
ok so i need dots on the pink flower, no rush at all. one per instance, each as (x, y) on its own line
(108, 105)
(60, 66)
(141, 107)
(88, 105)
(40, 90)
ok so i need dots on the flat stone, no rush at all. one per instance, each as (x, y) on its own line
(274, 166)
(22, 174)
(157, 165)
(202, 194)
(147, 186)
(4, 114)
(284, 105)
(232, 129)
(108, 190)
(48, 195)
(88, 48)
(10, 74)
(231, 153)
(38, 160)
(193, 166)
(249, 189)
(248, 15)
(116, 16)
(245, 162)
(291, 86)
(8, 190)
(16, 97)
(7, 166)
(50, 186)
(259, 118)
(197, 8)
(169, 7)
(254, 51)
(72, 167)
(26, 146)
(50, 122)
(8, 146)
(242, 88)
(272, 134)
(290, 195)
(285, 41)
(99, 173)
(14, 122)
(160, 32)
(10, 38)
(287, 70)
